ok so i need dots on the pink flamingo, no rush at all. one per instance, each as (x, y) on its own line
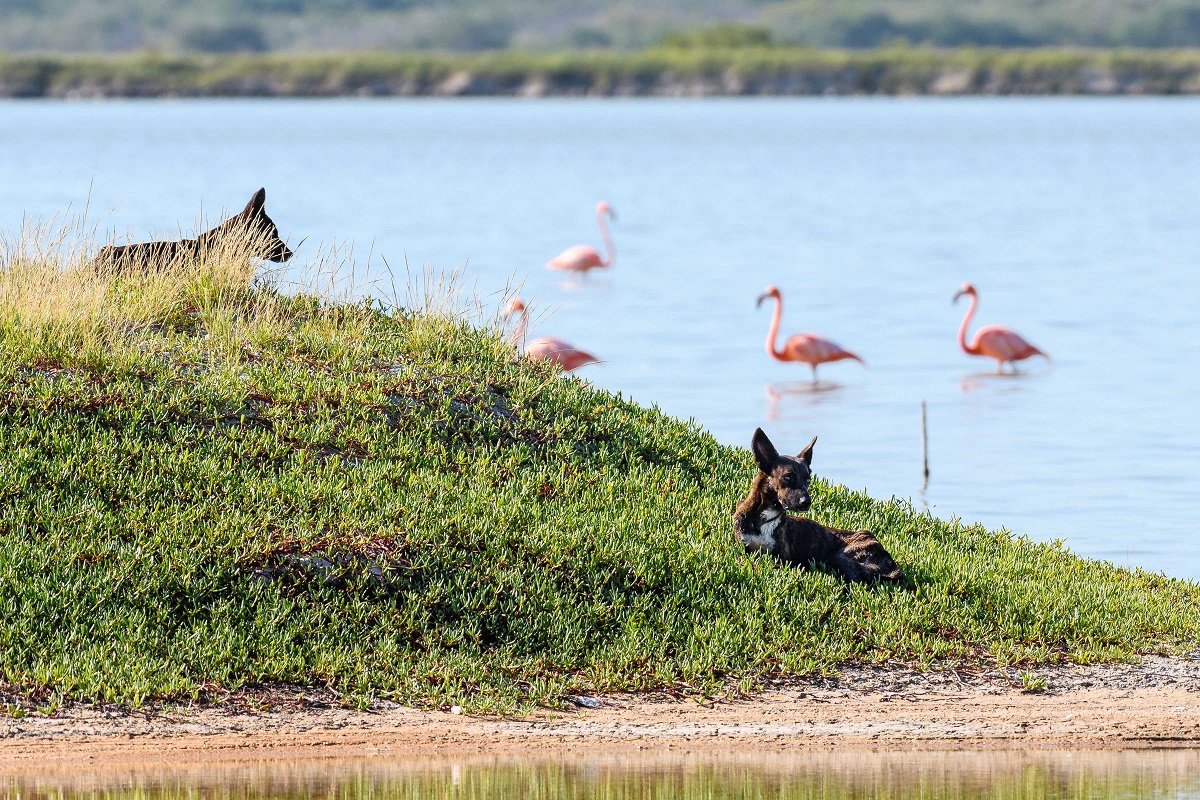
(581, 258)
(993, 341)
(546, 347)
(804, 347)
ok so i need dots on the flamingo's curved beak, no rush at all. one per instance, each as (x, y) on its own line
(612, 214)
(957, 295)
(761, 297)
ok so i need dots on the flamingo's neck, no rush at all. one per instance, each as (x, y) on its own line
(610, 250)
(518, 334)
(776, 318)
(962, 330)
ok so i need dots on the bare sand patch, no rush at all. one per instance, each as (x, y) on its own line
(1155, 703)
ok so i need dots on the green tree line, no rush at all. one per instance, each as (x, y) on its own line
(223, 26)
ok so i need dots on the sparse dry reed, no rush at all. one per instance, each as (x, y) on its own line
(58, 304)
(48, 303)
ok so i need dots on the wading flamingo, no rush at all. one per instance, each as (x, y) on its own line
(807, 348)
(546, 347)
(581, 258)
(993, 341)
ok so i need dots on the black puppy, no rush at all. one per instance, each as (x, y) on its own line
(251, 228)
(762, 523)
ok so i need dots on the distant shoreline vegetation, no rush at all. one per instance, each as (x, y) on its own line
(667, 71)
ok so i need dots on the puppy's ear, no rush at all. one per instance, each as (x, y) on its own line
(256, 203)
(765, 454)
(806, 453)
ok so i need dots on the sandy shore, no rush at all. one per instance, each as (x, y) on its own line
(1155, 703)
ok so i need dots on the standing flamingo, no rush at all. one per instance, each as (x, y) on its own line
(804, 347)
(993, 341)
(546, 347)
(581, 258)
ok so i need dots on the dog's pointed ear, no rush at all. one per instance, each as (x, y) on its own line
(806, 453)
(256, 203)
(765, 454)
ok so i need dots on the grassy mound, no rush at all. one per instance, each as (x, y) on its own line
(208, 484)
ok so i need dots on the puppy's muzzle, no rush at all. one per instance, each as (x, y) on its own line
(796, 501)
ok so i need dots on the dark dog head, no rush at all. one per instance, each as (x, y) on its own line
(787, 476)
(259, 230)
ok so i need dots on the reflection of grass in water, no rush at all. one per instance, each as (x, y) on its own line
(713, 782)
(832, 776)
(209, 485)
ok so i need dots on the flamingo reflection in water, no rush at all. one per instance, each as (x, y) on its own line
(805, 394)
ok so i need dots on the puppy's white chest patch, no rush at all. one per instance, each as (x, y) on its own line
(763, 537)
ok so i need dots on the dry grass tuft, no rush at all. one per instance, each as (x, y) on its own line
(56, 303)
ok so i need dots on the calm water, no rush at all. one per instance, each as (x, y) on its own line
(829, 776)
(1077, 220)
